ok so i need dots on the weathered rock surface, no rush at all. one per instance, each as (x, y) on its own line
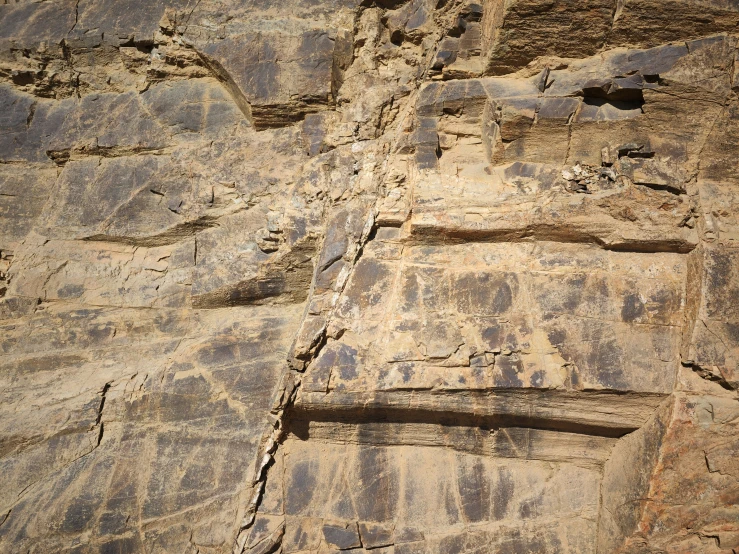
(393, 276)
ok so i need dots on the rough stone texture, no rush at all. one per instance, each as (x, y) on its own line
(387, 276)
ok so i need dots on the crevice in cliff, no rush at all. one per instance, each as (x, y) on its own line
(76, 16)
(31, 114)
(176, 234)
(486, 409)
(284, 403)
(384, 4)
(709, 375)
(284, 279)
(99, 419)
(675, 246)
(300, 417)
(615, 13)
(186, 22)
(675, 190)
(5, 517)
(265, 461)
(75, 80)
(481, 436)
(61, 157)
(548, 233)
(220, 73)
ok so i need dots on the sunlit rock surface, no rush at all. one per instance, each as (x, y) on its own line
(397, 277)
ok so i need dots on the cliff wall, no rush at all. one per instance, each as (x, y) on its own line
(384, 276)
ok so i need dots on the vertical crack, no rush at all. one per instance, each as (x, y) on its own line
(98, 420)
(76, 16)
(291, 379)
(265, 462)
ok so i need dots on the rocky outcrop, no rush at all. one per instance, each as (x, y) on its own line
(393, 276)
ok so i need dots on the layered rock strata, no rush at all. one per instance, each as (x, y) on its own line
(393, 276)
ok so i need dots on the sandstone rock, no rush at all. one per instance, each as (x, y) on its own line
(394, 276)
(515, 33)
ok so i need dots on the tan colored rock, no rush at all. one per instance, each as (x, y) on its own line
(396, 277)
(516, 32)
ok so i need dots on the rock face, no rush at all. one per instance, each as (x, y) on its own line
(388, 276)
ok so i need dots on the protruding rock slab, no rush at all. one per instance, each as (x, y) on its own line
(695, 466)
(424, 499)
(515, 33)
(485, 316)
